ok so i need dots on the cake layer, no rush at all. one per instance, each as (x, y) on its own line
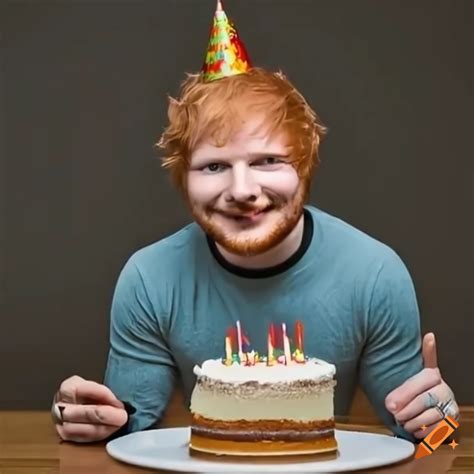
(253, 389)
(243, 430)
(300, 400)
(261, 448)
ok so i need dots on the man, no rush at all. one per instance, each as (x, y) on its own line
(242, 147)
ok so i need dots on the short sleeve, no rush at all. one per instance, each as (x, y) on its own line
(392, 352)
(140, 368)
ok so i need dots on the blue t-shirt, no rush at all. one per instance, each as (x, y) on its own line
(175, 300)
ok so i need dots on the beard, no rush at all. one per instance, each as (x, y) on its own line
(285, 214)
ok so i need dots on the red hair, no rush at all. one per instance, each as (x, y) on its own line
(215, 109)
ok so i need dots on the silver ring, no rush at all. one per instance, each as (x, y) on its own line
(432, 400)
(443, 407)
(57, 413)
(439, 408)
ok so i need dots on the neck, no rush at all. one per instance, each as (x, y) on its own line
(276, 255)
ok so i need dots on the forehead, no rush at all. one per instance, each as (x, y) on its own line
(250, 136)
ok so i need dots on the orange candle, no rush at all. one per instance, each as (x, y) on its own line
(299, 335)
(228, 351)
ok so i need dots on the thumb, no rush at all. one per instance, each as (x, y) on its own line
(430, 359)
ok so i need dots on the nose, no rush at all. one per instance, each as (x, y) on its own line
(243, 187)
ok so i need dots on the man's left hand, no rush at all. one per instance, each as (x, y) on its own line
(417, 404)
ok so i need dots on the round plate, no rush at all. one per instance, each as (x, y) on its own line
(168, 449)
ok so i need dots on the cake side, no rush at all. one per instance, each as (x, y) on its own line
(302, 401)
(264, 409)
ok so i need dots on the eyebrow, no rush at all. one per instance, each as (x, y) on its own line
(258, 154)
(262, 154)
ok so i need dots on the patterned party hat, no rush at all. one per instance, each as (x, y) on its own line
(226, 54)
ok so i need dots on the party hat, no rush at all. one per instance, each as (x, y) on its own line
(226, 54)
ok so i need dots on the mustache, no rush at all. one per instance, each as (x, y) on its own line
(248, 208)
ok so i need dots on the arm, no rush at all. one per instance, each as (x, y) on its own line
(140, 368)
(392, 352)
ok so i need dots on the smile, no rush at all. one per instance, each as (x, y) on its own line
(247, 218)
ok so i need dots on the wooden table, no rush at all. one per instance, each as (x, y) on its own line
(29, 444)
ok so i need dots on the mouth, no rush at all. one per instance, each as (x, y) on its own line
(247, 217)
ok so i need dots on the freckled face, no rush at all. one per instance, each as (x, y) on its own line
(245, 195)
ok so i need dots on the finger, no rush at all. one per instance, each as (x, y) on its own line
(423, 381)
(430, 359)
(417, 406)
(427, 418)
(83, 433)
(424, 401)
(99, 393)
(76, 390)
(93, 414)
(67, 389)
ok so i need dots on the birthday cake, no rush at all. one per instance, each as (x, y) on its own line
(248, 405)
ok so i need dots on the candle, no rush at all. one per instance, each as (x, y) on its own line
(286, 345)
(270, 355)
(273, 335)
(245, 343)
(299, 335)
(239, 341)
(232, 335)
(298, 355)
(251, 356)
(228, 351)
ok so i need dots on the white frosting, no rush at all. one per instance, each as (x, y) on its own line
(313, 369)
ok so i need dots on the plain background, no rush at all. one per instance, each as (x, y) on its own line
(84, 95)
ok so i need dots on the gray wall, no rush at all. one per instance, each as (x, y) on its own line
(83, 101)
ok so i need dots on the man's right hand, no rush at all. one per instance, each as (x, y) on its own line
(90, 411)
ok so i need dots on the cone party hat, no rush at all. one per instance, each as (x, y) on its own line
(226, 54)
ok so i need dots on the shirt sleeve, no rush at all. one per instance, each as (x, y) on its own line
(392, 351)
(140, 368)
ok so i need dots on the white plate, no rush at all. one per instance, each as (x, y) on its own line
(168, 449)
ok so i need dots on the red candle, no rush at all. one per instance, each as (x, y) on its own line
(272, 334)
(299, 335)
(232, 335)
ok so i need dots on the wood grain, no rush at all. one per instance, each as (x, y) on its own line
(29, 444)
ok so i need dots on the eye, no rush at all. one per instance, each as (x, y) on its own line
(268, 161)
(271, 160)
(213, 168)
